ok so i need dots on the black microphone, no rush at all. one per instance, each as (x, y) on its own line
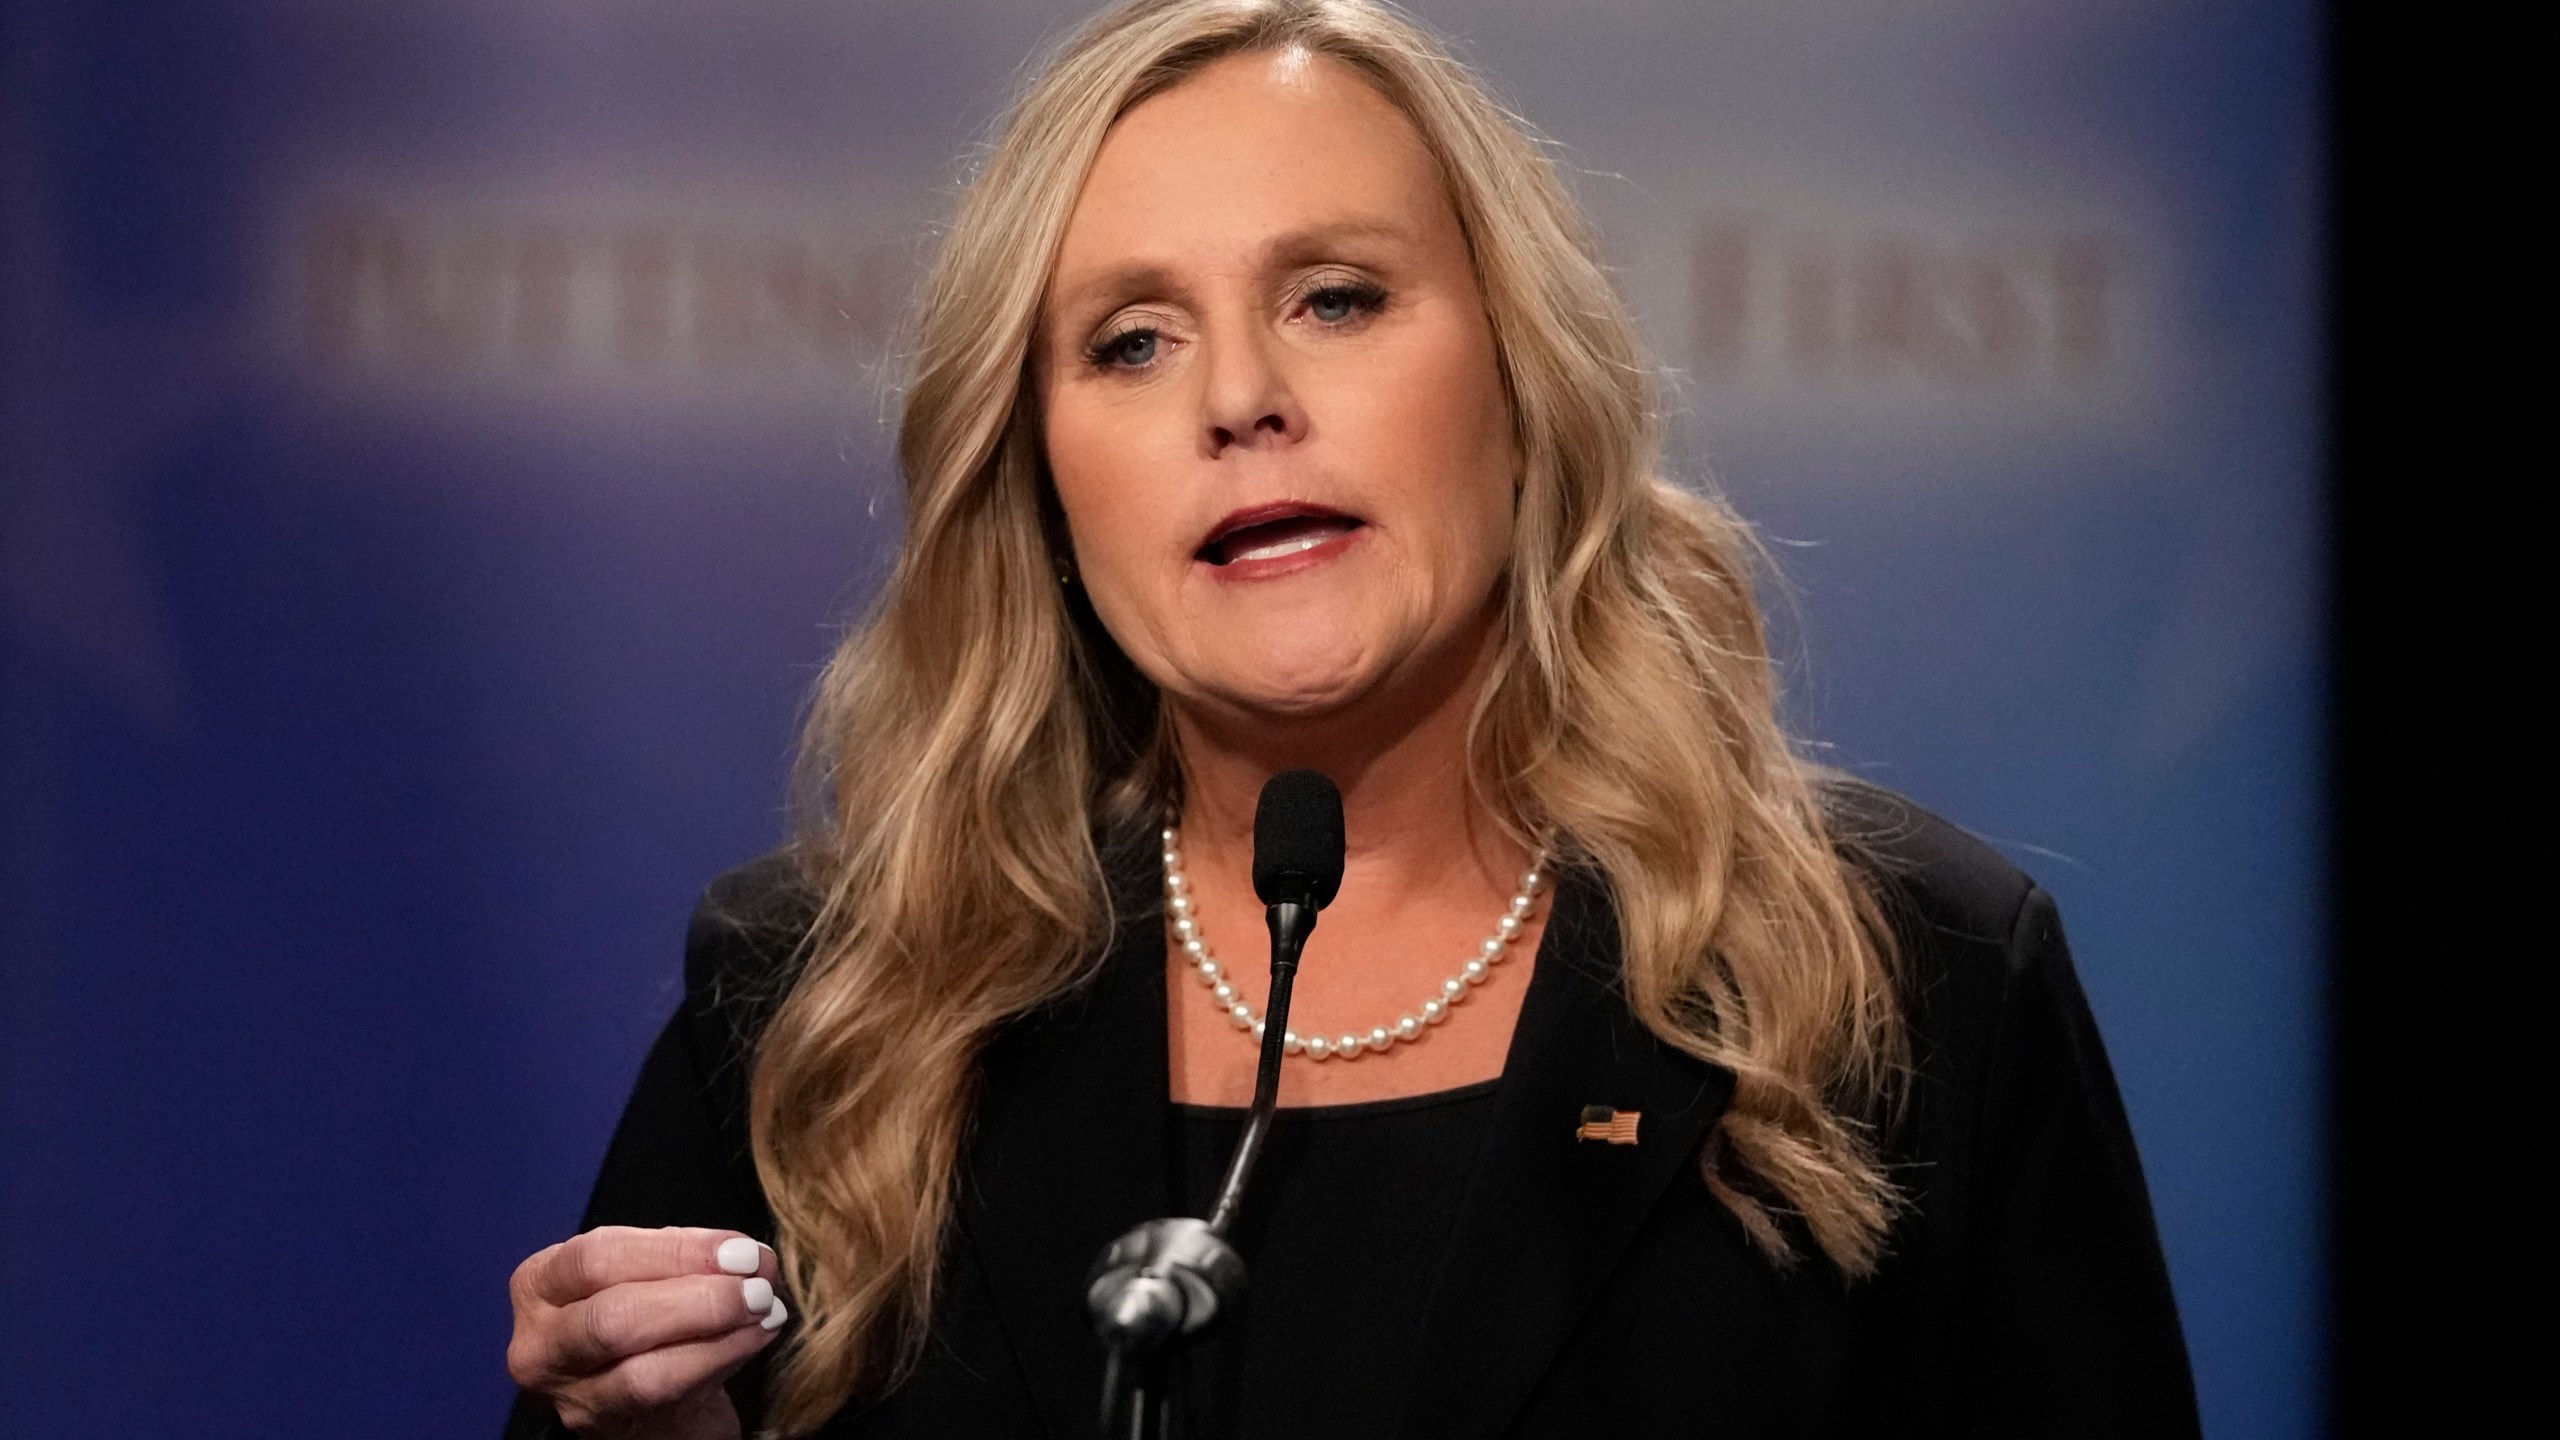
(1167, 1280)
(1297, 841)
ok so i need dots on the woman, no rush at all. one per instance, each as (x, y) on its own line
(1272, 411)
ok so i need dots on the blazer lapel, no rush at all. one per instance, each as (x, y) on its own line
(1548, 1214)
(1070, 1152)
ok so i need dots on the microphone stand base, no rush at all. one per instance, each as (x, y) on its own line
(1156, 1289)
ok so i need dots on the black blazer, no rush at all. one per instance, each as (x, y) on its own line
(1594, 1289)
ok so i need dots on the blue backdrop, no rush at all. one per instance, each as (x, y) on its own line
(438, 441)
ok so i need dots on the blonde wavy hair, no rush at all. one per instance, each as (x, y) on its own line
(972, 742)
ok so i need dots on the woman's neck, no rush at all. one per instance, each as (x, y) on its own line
(1410, 815)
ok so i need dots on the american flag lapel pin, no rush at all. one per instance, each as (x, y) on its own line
(1599, 1122)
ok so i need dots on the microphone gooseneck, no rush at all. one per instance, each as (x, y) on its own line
(1297, 869)
(1291, 923)
(1168, 1280)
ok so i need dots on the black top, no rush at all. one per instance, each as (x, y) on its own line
(1590, 1288)
(1344, 1231)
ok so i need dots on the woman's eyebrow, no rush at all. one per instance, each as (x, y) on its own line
(1326, 241)
(1112, 286)
(1115, 285)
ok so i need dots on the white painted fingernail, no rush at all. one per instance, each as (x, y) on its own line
(740, 1255)
(759, 1294)
(780, 1312)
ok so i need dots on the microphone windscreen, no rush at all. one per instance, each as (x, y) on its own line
(1297, 839)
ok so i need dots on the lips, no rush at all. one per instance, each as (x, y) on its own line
(1269, 534)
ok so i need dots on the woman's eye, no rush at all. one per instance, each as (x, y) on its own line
(1126, 350)
(1336, 303)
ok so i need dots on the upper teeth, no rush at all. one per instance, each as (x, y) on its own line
(1278, 548)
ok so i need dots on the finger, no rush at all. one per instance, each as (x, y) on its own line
(613, 1255)
(590, 1336)
(665, 1376)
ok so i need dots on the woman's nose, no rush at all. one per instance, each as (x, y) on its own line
(1247, 403)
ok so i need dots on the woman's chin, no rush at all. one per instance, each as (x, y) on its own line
(1283, 688)
(1319, 666)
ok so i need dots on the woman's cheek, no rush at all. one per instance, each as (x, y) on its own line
(1127, 584)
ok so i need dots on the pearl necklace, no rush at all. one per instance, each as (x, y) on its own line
(1478, 969)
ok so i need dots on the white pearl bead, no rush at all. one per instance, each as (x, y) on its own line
(1434, 1010)
(1242, 1014)
(1530, 882)
(1290, 1044)
(1225, 992)
(1198, 949)
(1491, 949)
(1187, 928)
(1181, 904)
(1407, 1027)
(1348, 1047)
(1380, 1037)
(1453, 989)
(1176, 882)
(1318, 1047)
(1475, 972)
(1172, 858)
(1168, 837)
(1520, 904)
(1508, 927)
(1258, 1027)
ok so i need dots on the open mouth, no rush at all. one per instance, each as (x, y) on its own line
(1274, 532)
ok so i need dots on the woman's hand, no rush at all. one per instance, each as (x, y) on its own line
(631, 1332)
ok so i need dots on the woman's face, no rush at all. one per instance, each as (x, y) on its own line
(1270, 397)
